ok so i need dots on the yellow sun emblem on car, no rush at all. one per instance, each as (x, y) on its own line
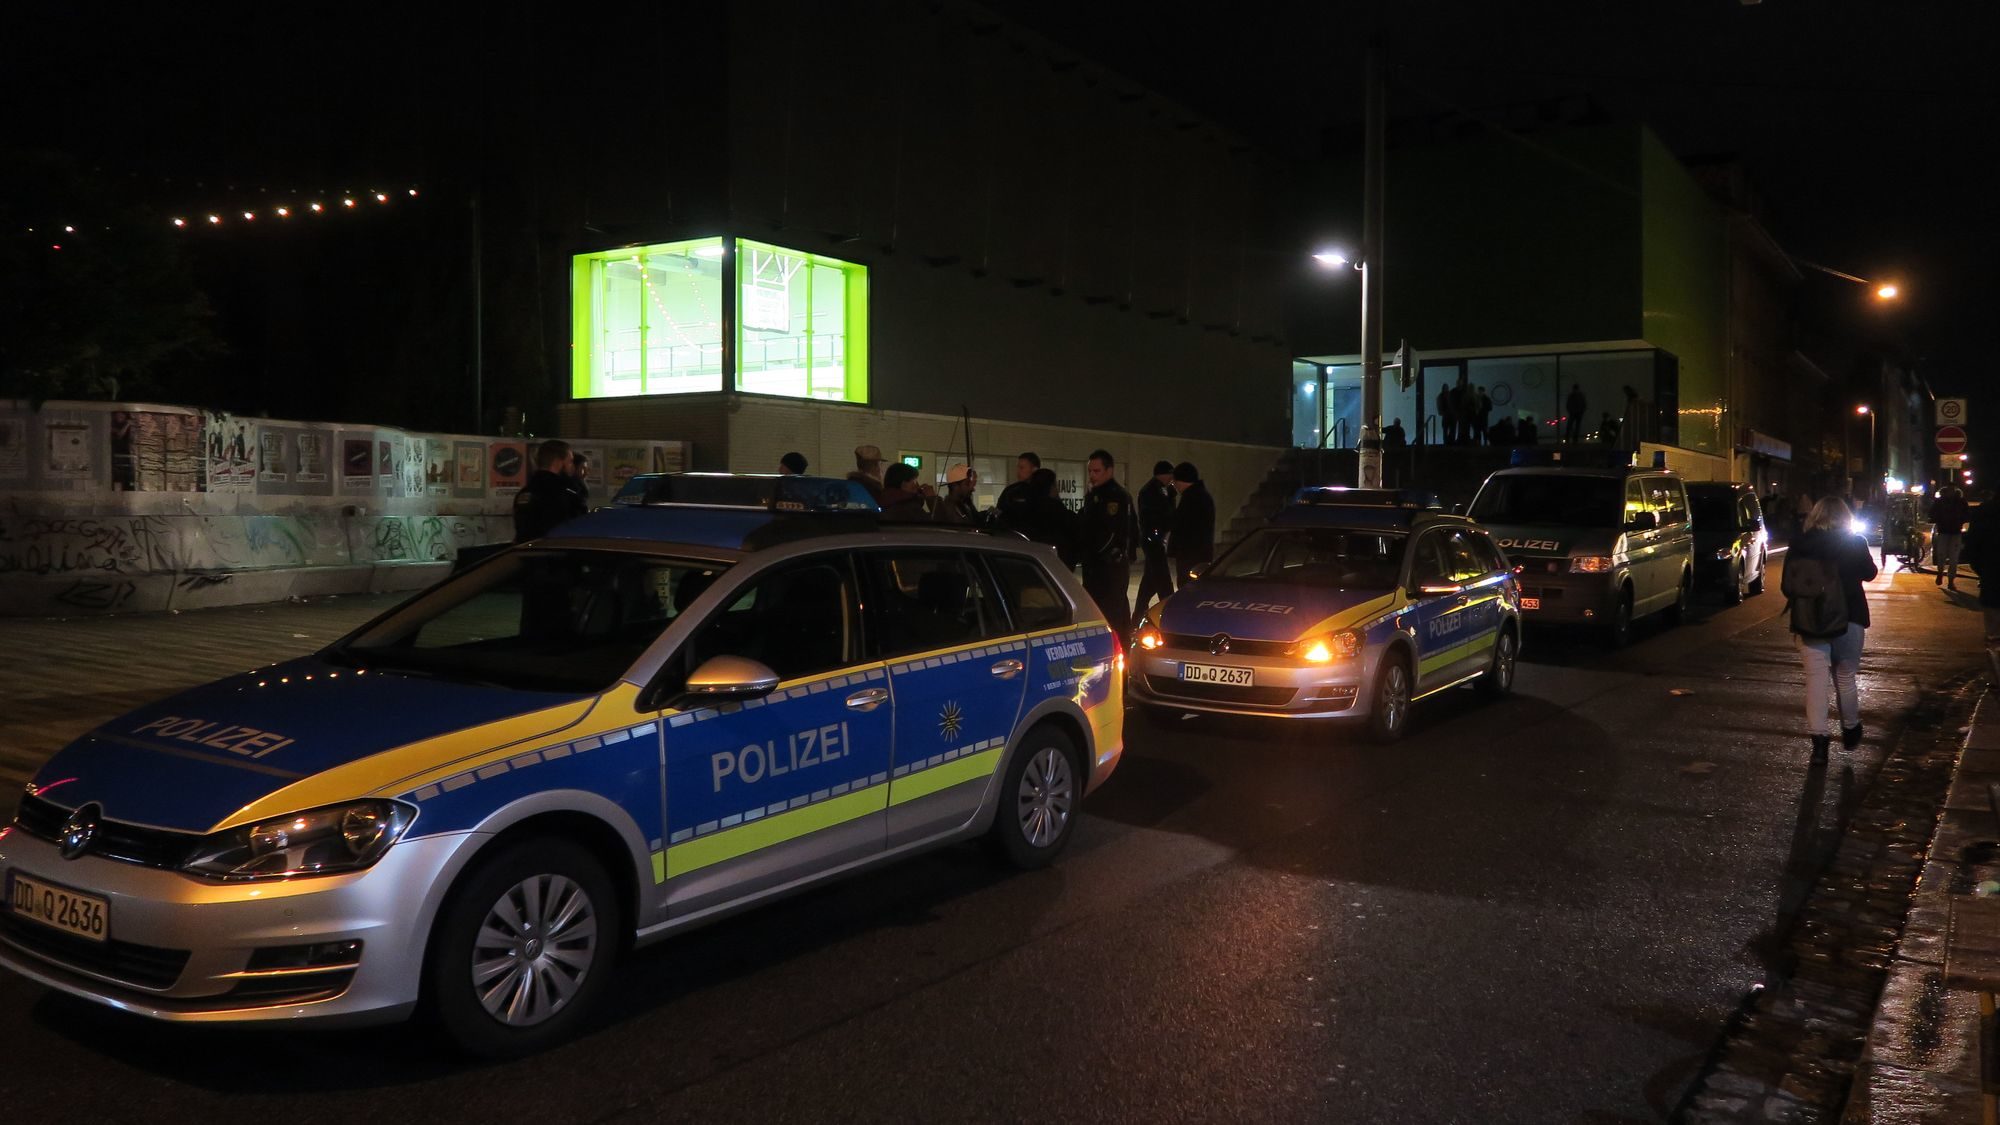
(950, 720)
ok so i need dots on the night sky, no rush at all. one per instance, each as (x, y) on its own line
(1868, 127)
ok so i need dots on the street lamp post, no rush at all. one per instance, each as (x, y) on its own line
(1873, 476)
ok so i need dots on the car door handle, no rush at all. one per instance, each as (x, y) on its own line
(1464, 599)
(1006, 669)
(868, 699)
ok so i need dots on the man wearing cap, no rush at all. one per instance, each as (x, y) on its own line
(792, 465)
(868, 470)
(956, 506)
(1156, 518)
(1192, 541)
(1110, 539)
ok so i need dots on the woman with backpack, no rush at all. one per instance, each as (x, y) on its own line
(1829, 614)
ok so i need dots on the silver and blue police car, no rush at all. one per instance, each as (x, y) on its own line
(1349, 604)
(722, 691)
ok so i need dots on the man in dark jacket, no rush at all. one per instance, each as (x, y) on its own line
(1016, 494)
(549, 497)
(1948, 515)
(1156, 518)
(1192, 542)
(1039, 514)
(903, 499)
(1110, 539)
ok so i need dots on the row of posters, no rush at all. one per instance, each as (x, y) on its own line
(189, 451)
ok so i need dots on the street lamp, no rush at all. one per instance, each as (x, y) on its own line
(1334, 260)
(1870, 415)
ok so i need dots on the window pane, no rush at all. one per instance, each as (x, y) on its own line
(797, 622)
(801, 324)
(555, 620)
(648, 320)
(929, 601)
(1033, 602)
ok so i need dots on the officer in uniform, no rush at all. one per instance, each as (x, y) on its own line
(1110, 539)
(1156, 518)
(549, 497)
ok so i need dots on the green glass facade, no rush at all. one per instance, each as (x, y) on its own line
(650, 320)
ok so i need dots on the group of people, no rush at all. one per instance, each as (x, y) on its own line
(1169, 529)
(1465, 417)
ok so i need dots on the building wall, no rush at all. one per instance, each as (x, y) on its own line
(1685, 273)
(1048, 243)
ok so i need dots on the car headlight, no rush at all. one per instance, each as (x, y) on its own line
(326, 841)
(1590, 564)
(1150, 639)
(1344, 645)
(1859, 526)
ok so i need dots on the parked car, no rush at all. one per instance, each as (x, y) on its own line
(1349, 605)
(1596, 546)
(1731, 544)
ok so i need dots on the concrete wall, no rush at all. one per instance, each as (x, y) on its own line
(1686, 279)
(122, 507)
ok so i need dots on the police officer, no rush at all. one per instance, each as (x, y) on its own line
(550, 497)
(1193, 536)
(1110, 539)
(1156, 518)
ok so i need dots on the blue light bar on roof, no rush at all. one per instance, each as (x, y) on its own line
(739, 490)
(1366, 497)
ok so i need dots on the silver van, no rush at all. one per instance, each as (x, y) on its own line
(1600, 547)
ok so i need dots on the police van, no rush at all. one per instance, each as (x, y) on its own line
(1351, 604)
(665, 712)
(1600, 542)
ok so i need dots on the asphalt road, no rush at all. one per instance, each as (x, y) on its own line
(1538, 910)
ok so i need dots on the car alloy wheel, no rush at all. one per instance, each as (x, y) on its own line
(1039, 797)
(1392, 701)
(1047, 794)
(534, 949)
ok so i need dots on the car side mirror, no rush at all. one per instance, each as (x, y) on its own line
(729, 679)
(1644, 521)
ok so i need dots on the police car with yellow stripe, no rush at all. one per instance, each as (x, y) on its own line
(1349, 604)
(721, 691)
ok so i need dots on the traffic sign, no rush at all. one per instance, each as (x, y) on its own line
(1950, 460)
(1950, 439)
(1951, 412)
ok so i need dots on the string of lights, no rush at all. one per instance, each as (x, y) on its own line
(331, 203)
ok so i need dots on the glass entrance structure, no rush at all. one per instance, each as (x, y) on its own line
(658, 320)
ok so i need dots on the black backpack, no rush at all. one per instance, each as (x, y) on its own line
(1815, 597)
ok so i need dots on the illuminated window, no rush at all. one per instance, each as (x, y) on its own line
(647, 320)
(802, 324)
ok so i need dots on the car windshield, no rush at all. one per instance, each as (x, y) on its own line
(1316, 556)
(1549, 499)
(545, 620)
(1713, 511)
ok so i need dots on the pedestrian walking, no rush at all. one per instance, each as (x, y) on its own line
(1575, 405)
(549, 497)
(1829, 616)
(868, 470)
(792, 465)
(1110, 538)
(1156, 519)
(1191, 543)
(1948, 515)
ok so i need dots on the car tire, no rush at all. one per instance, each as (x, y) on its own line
(1498, 681)
(1757, 584)
(1677, 613)
(1618, 634)
(1732, 594)
(1389, 706)
(1041, 796)
(514, 997)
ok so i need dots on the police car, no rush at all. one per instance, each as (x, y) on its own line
(663, 713)
(1349, 604)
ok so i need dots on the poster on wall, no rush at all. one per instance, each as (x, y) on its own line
(385, 460)
(469, 469)
(231, 463)
(626, 462)
(68, 451)
(155, 452)
(509, 461)
(357, 464)
(273, 467)
(312, 449)
(414, 463)
(669, 457)
(13, 448)
(437, 466)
